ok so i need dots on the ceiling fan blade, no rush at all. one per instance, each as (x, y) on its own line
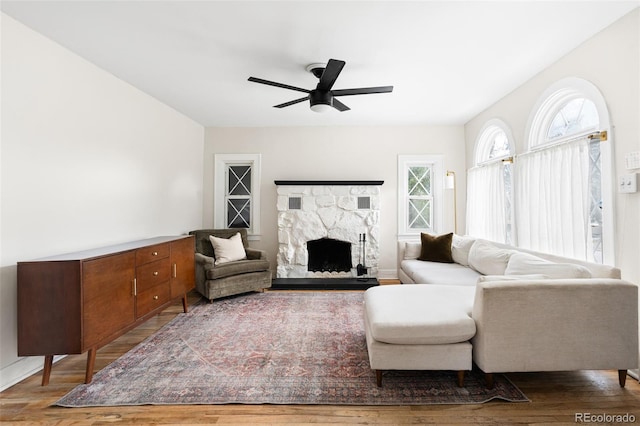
(362, 91)
(339, 105)
(330, 74)
(273, 83)
(297, 101)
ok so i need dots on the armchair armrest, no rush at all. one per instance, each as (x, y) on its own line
(255, 253)
(205, 261)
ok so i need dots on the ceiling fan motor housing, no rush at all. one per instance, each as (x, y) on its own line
(317, 97)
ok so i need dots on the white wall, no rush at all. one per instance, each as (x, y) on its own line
(87, 161)
(611, 61)
(336, 153)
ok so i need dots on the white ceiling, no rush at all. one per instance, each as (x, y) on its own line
(447, 60)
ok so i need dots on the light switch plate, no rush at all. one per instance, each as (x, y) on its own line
(628, 183)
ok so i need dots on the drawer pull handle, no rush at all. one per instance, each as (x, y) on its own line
(155, 253)
(155, 274)
(175, 270)
(155, 297)
(135, 287)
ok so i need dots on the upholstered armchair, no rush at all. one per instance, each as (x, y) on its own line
(215, 279)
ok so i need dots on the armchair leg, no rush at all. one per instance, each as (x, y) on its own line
(461, 378)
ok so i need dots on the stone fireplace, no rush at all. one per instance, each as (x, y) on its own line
(320, 226)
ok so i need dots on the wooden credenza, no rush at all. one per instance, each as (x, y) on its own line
(78, 302)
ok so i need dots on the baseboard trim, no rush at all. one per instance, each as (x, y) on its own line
(387, 274)
(21, 369)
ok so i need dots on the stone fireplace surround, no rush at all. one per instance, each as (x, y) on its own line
(312, 210)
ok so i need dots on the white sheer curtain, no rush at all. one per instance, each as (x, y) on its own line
(552, 200)
(486, 216)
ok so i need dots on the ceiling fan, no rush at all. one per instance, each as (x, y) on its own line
(322, 98)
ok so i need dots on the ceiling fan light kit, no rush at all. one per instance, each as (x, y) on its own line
(322, 98)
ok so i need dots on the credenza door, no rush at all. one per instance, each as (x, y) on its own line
(108, 296)
(182, 266)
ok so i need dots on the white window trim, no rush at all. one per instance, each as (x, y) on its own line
(222, 161)
(481, 148)
(539, 120)
(436, 162)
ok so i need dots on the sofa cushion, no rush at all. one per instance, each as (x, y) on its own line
(436, 248)
(524, 263)
(420, 314)
(488, 259)
(485, 278)
(460, 247)
(228, 249)
(439, 273)
(235, 268)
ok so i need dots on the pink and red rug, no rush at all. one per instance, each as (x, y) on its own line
(271, 348)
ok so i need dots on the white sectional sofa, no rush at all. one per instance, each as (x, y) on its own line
(532, 311)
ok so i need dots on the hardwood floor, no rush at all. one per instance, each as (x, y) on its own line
(556, 398)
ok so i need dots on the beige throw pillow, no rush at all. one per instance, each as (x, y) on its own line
(460, 247)
(524, 263)
(228, 250)
(488, 259)
(412, 250)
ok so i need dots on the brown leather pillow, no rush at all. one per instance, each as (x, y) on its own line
(436, 248)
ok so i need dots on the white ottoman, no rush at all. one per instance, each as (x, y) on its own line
(419, 327)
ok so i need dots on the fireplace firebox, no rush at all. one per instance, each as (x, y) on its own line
(329, 255)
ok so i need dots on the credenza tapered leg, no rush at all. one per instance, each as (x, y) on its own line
(91, 361)
(185, 305)
(46, 373)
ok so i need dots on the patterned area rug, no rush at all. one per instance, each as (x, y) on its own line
(271, 348)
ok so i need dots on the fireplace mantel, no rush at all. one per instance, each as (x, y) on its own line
(329, 182)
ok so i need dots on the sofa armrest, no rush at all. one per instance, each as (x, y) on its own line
(253, 254)
(556, 325)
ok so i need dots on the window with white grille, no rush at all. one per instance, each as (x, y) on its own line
(237, 192)
(420, 184)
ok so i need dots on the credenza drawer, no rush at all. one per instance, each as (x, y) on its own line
(152, 274)
(148, 300)
(152, 253)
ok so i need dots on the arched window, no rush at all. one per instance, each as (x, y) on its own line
(493, 143)
(490, 185)
(563, 182)
(574, 117)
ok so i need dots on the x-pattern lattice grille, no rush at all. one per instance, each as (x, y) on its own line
(419, 191)
(595, 195)
(239, 180)
(239, 213)
(419, 181)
